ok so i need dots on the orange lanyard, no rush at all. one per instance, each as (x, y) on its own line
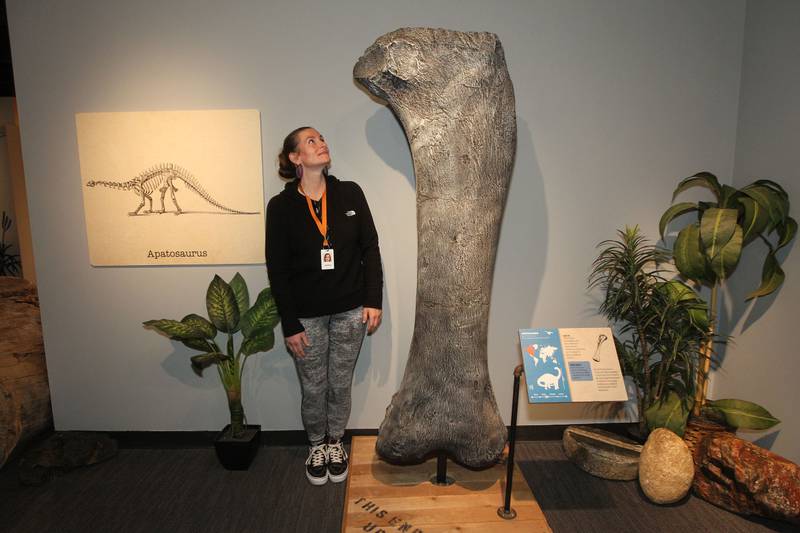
(321, 226)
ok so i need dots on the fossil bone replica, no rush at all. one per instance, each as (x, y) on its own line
(453, 96)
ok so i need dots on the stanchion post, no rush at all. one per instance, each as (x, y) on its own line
(441, 469)
(441, 478)
(506, 511)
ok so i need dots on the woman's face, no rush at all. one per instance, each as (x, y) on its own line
(311, 151)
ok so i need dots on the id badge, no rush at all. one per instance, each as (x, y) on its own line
(326, 258)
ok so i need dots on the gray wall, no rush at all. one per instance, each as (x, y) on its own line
(616, 101)
(762, 364)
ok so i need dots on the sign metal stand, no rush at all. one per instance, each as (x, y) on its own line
(506, 511)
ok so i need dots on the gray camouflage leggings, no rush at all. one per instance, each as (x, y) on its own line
(326, 372)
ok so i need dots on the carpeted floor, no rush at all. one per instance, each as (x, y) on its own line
(185, 490)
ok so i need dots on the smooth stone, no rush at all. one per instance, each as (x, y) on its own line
(666, 468)
(602, 453)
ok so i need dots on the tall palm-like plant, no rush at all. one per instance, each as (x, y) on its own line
(660, 324)
(708, 250)
(229, 312)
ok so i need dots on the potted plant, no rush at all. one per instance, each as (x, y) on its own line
(660, 325)
(229, 312)
(707, 251)
(664, 333)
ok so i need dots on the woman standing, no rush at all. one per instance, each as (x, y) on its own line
(324, 268)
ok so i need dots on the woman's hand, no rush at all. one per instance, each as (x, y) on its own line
(372, 318)
(297, 344)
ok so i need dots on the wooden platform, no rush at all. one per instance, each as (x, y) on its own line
(384, 498)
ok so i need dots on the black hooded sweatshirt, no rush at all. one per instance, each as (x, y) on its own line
(299, 285)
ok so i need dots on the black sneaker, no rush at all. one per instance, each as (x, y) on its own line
(316, 471)
(337, 462)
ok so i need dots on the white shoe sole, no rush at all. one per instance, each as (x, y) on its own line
(341, 477)
(316, 480)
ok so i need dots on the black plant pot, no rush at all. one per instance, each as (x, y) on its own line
(237, 454)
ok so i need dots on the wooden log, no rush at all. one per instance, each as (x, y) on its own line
(24, 391)
(739, 476)
(744, 478)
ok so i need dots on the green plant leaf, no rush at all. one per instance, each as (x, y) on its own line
(728, 255)
(702, 179)
(771, 277)
(175, 330)
(716, 229)
(671, 413)
(729, 197)
(743, 414)
(774, 186)
(703, 207)
(674, 211)
(201, 345)
(677, 290)
(786, 232)
(779, 192)
(239, 287)
(263, 314)
(262, 342)
(699, 317)
(771, 202)
(202, 361)
(221, 304)
(754, 221)
(689, 258)
(200, 324)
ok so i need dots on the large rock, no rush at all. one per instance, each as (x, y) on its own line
(666, 468)
(744, 478)
(602, 453)
(453, 96)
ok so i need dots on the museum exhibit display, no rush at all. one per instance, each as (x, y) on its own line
(24, 390)
(229, 312)
(667, 334)
(508, 152)
(572, 365)
(453, 96)
(171, 187)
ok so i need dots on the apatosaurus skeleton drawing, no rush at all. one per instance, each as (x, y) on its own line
(549, 381)
(162, 178)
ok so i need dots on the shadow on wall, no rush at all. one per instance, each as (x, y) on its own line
(386, 140)
(178, 364)
(520, 265)
(273, 371)
(375, 370)
(521, 252)
(736, 314)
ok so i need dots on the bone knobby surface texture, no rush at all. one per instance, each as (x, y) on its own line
(453, 96)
